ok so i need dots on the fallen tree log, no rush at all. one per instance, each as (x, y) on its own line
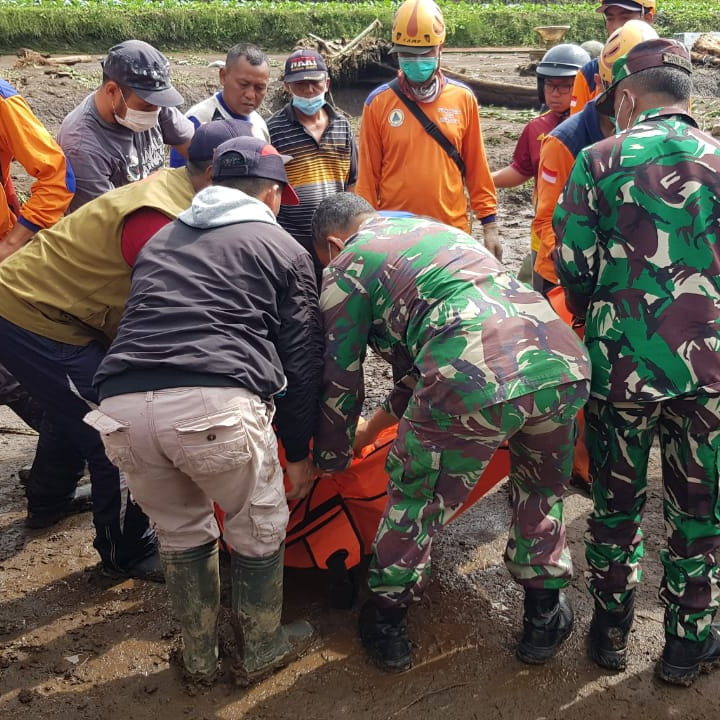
(487, 92)
(491, 92)
(26, 56)
(700, 59)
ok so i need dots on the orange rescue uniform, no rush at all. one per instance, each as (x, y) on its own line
(585, 88)
(557, 157)
(24, 138)
(402, 168)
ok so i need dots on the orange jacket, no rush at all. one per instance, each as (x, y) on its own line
(556, 162)
(585, 88)
(557, 157)
(24, 138)
(402, 168)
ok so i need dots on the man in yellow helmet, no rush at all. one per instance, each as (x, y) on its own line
(402, 166)
(562, 145)
(617, 13)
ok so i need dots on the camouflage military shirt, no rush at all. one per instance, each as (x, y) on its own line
(436, 304)
(638, 230)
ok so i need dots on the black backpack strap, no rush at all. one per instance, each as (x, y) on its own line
(429, 126)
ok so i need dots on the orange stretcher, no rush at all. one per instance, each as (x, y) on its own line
(340, 515)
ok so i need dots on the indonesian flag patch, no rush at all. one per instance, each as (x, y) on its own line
(549, 176)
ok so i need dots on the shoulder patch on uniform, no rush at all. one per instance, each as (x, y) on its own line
(549, 176)
(396, 117)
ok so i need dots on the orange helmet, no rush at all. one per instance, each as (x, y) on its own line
(624, 39)
(419, 25)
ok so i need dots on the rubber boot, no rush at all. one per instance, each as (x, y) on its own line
(342, 588)
(192, 578)
(683, 660)
(547, 623)
(384, 635)
(264, 644)
(43, 517)
(609, 631)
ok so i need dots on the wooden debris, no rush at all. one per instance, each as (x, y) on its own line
(26, 56)
(491, 92)
(706, 50)
(365, 58)
(349, 60)
(709, 44)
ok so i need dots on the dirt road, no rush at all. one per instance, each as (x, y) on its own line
(75, 646)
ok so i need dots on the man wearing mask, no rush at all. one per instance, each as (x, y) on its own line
(560, 148)
(118, 133)
(320, 140)
(616, 14)
(402, 166)
(638, 257)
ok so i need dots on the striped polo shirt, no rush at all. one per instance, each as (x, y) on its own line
(317, 170)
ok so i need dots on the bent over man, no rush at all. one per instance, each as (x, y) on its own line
(482, 358)
(640, 259)
(24, 138)
(187, 412)
(61, 299)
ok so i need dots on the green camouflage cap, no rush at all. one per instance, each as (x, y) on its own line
(661, 52)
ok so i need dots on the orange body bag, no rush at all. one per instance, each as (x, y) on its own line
(342, 511)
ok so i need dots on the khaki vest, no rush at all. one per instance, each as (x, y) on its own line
(70, 283)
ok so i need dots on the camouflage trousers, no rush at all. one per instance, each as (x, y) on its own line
(619, 437)
(433, 465)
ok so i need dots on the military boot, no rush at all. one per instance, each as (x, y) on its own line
(683, 660)
(264, 644)
(609, 631)
(193, 582)
(384, 635)
(547, 623)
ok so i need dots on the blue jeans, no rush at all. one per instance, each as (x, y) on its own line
(59, 377)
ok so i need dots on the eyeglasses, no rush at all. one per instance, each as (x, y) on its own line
(559, 89)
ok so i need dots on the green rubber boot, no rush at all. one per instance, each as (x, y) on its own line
(264, 644)
(192, 578)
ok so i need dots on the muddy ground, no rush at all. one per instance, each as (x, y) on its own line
(73, 645)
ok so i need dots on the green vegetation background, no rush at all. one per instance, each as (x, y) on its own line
(94, 25)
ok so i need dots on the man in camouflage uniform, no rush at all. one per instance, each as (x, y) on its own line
(640, 259)
(482, 359)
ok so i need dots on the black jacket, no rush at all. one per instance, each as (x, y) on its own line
(223, 305)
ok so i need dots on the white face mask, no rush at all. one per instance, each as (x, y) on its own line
(137, 120)
(617, 115)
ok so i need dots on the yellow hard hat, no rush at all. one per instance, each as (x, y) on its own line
(418, 25)
(624, 39)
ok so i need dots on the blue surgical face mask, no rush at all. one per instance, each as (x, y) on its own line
(419, 70)
(308, 106)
